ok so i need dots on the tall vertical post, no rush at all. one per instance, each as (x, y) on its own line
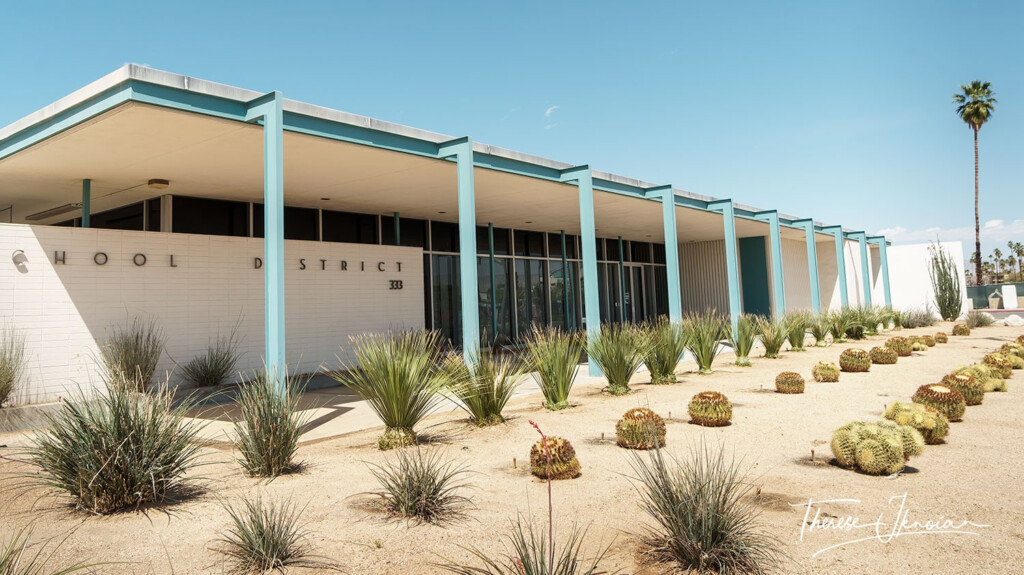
(812, 262)
(462, 150)
(725, 207)
(778, 277)
(622, 283)
(884, 265)
(270, 109)
(398, 229)
(668, 218)
(865, 267)
(86, 199)
(837, 233)
(588, 240)
(494, 288)
(565, 283)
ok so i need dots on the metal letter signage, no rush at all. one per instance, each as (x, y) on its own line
(100, 258)
(139, 262)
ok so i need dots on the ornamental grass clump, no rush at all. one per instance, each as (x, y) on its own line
(970, 388)
(619, 350)
(400, 377)
(825, 372)
(789, 382)
(878, 448)
(12, 361)
(796, 323)
(961, 329)
(131, 353)
(484, 391)
(854, 360)
(554, 458)
(421, 486)
(216, 365)
(919, 317)
(710, 409)
(820, 327)
(640, 428)
(270, 423)
(704, 519)
(743, 338)
(17, 557)
(117, 450)
(773, 333)
(554, 357)
(932, 425)
(704, 331)
(665, 346)
(883, 355)
(268, 536)
(942, 398)
(977, 318)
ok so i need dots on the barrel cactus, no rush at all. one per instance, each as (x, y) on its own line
(710, 409)
(825, 371)
(880, 448)
(789, 382)
(640, 428)
(1016, 362)
(999, 365)
(1020, 339)
(563, 465)
(1012, 349)
(928, 340)
(941, 337)
(970, 388)
(934, 426)
(918, 346)
(883, 355)
(943, 399)
(961, 329)
(984, 374)
(900, 345)
(854, 360)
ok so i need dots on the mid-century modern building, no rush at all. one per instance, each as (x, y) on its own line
(204, 206)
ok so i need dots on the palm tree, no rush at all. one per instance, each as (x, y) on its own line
(975, 105)
(997, 260)
(1018, 250)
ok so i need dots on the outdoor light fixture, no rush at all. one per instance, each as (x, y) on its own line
(159, 184)
(325, 199)
(53, 212)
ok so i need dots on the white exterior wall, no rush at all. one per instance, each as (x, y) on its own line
(795, 273)
(66, 310)
(909, 280)
(828, 276)
(854, 277)
(704, 276)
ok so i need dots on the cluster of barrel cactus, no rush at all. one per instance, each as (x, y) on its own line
(900, 345)
(854, 360)
(710, 409)
(961, 329)
(941, 337)
(563, 464)
(878, 448)
(989, 380)
(970, 388)
(928, 340)
(999, 364)
(789, 382)
(640, 428)
(934, 426)
(883, 355)
(1020, 339)
(919, 346)
(825, 371)
(942, 398)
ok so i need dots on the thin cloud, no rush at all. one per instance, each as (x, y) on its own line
(994, 234)
(551, 110)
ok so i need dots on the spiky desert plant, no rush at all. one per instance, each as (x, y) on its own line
(883, 355)
(918, 317)
(796, 329)
(961, 329)
(17, 558)
(117, 450)
(941, 337)
(897, 319)
(825, 372)
(554, 357)
(640, 428)
(942, 398)
(666, 344)
(841, 324)
(268, 536)
(710, 409)
(946, 280)
(932, 425)
(821, 327)
(400, 376)
(216, 365)
(999, 364)
(855, 322)
(704, 332)
(271, 421)
(918, 346)
(1020, 339)
(773, 333)
(789, 382)
(422, 486)
(1016, 361)
(12, 360)
(901, 345)
(928, 340)
(1012, 350)
(619, 349)
(704, 519)
(131, 353)
(554, 458)
(985, 375)
(485, 388)
(970, 388)
(854, 360)
(743, 338)
(977, 318)
(878, 448)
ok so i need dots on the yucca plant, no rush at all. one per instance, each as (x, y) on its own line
(554, 358)
(16, 558)
(619, 349)
(666, 344)
(422, 486)
(268, 537)
(897, 319)
(270, 425)
(842, 322)
(484, 389)
(131, 353)
(216, 365)
(796, 323)
(743, 338)
(704, 520)
(704, 332)
(400, 377)
(12, 361)
(773, 332)
(118, 450)
(820, 327)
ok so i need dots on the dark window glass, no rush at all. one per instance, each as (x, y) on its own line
(299, 223)
(500, 241)
(640, 251)
(72, 223)
(611, 250)
(495, 312)
(600, 248)
(413, 233)
(210, 217)
(529, 243)
(349, 227)
(125, 218)
(571, 244)
(481, 240)
(555, 245)
(444, 237)
(153, 217)
(627, 254)
(659, 253)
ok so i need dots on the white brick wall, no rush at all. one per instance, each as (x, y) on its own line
(65, 310)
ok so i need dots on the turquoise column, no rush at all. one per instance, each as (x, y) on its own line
(865, 267)
(270, 109)
(884, 261)
(462, 150)
(588, 240)
(668, 218)
(812, 262)
(775, 238)
(725, 207)
(837, 233)
(86, 199)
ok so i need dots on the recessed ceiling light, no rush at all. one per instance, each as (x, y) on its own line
(325, 199)
(528, 222)
(159, 184)
(442, 212)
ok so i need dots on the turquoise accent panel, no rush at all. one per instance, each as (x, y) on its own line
(731, 264)
(812, 261)
(778, 275)
(881, 243)
(668, 217)
(837, 233)
(588, 238)
(754, 271)
(86, 200)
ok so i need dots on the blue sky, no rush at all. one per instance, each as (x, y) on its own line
(834, 110)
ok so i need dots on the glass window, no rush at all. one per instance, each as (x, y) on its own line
(153, 215)
(531, 295)
(571, 245)
(444, 237)
(211, 217)
(124, 218)
(529, 243)
(299, 223)
(659, 253)
(627, 255)
(500, 241)
(640, 252)
(611, 250)
(600, 248)
(348, 227)
(555, 245)
(413, 233)
(563, 287)
(446, 297)
(497, 306)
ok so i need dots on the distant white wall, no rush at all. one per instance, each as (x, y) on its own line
(909, 280)
(795, 271)
(828, 276)
(704, 276)
(67, 309)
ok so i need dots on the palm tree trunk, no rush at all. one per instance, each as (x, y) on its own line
(977, 218)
